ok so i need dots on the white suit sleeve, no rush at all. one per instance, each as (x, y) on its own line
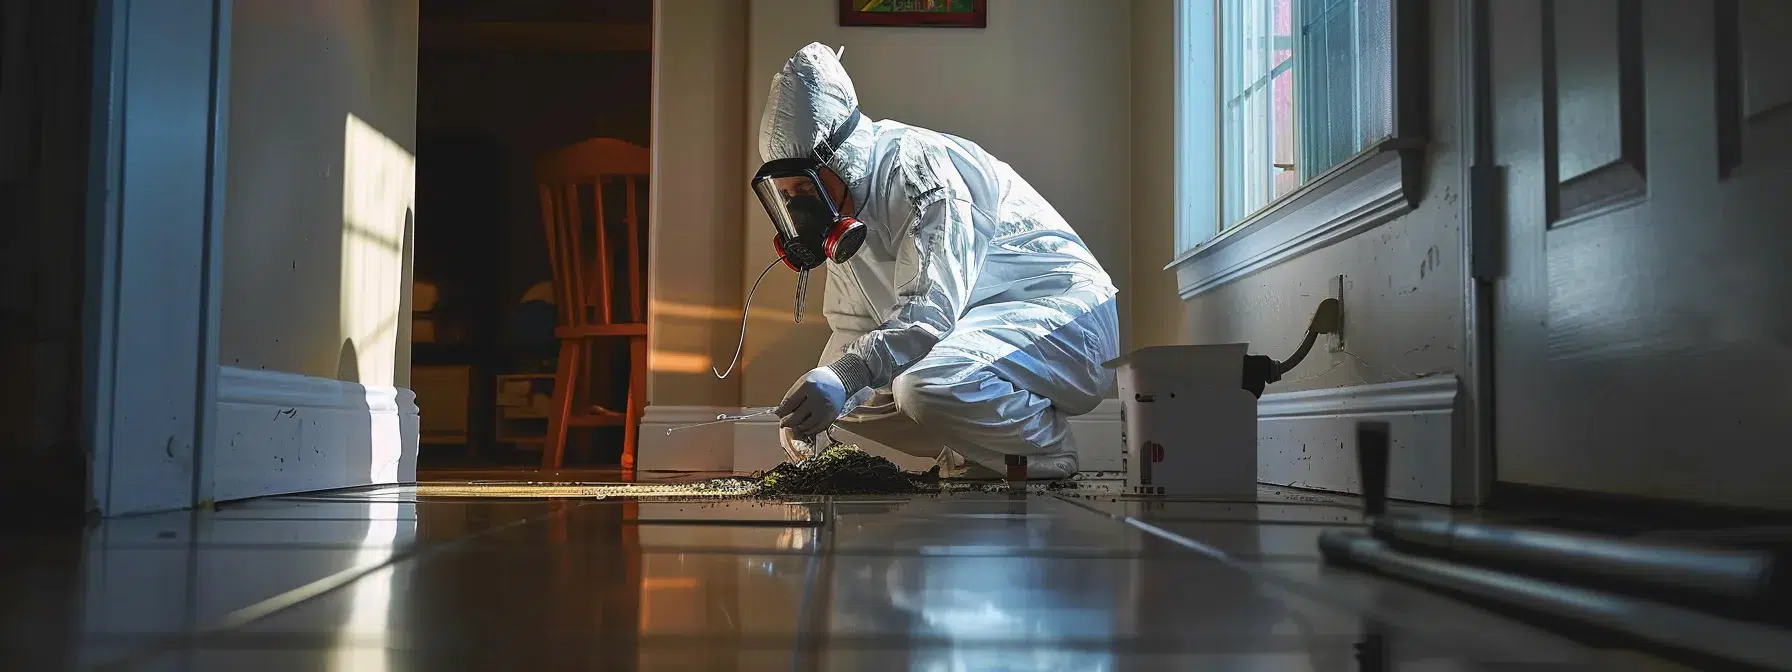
(848, 316)
(937, 267)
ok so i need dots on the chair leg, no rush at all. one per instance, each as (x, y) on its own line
(553, 451)
(637, 400)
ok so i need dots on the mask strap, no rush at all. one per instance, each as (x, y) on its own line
(738, 345)
(824, 152)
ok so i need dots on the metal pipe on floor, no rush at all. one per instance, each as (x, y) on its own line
(1730, 579)
(1724, 576)
(1685, 630)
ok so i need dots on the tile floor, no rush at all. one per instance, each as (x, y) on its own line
(385, 579)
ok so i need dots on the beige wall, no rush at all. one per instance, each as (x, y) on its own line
(1045, 88)
(1404, 293)
(699, 74)
(322, 128)
(1157, 317)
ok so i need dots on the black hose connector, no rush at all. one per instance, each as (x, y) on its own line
(1260, 371)
(1372, 445)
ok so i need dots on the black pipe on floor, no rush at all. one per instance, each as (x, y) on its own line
(1711, 577)
(1685, 631)
(1586, 579)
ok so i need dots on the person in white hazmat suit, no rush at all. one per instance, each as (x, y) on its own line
(969, 320)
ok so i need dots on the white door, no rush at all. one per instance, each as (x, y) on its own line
(1643, 324)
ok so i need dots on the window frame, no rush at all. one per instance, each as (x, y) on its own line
(1376, 185)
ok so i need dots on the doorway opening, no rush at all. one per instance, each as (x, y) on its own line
(533, 127)
(46, 80)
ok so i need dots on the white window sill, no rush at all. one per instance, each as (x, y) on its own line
(1359, 195)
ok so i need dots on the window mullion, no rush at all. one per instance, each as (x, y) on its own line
(1268, 96)
(1297, 92)
(1356, 75)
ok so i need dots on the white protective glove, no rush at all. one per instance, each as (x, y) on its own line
(796, 448)
(814, 403)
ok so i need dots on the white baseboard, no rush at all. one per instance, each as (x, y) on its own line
(1308, 439)
(752, 445)
(1305, 439)
(1097, 436)
(284, 432)
(697, 449)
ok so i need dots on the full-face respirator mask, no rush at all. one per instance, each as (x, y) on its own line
(809, 227)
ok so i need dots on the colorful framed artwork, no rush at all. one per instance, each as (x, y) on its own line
(915, 13)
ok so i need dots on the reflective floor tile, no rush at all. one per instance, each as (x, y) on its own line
(1079, 660)
(1249, 512)
(371, 533)
(306, 509)
(182, 530)
(756, 539)
(156, 530)
(979, 526)
(521, 655)
(562, 594)
(1458, 627)
(963, 581)
(134, 591)
(1015, 601)
(734, 511)
(1253, 541)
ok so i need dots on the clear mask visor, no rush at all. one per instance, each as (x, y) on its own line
(792, 200)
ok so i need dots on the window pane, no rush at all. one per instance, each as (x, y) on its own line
(1375, 51)
(1198, 97)
(1340, 50)
(1258, 113)
(1347, 86)
(1303, 85)
(1286, 178)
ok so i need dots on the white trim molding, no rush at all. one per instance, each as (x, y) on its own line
(284, 432)
(1308, 439)
(154, 195)
(1362, 194)
(752, 444)
(696, 449)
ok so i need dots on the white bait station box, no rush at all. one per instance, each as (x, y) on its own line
(1189, 428)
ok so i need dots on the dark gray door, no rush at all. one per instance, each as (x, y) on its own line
(1643, 330)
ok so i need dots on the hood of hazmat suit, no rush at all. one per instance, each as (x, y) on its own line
(972, 307)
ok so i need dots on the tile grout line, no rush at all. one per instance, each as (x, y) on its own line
(292, 598)
(813, 620)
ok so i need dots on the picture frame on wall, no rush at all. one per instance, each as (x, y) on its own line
(915, 13)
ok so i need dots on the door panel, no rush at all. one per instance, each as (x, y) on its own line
(1595, 90)
(1643, 336)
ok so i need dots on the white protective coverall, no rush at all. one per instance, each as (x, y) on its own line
(978, 318)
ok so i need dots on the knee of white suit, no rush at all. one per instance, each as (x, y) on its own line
(922, 399)
(962, 406)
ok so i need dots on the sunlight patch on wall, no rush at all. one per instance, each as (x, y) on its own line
(678, 362)
(697, 311)
(378, 191)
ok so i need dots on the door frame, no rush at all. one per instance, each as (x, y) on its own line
(1480, 248)
(154, 231)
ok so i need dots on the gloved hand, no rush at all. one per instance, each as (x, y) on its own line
(796, 448)
(816, 401)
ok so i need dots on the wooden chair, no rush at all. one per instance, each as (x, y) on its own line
(572, 181)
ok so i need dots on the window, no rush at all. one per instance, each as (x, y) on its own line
(1277, 100)
(1306, 84)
